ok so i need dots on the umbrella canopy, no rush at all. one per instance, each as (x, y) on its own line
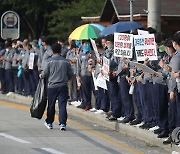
(86, 32)
(120, 27)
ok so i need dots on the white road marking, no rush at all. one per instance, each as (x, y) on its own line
(13, 138)
(52, 151)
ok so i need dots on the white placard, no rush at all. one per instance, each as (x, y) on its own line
(101, 82)
(94, 48)
(145, 47)
(144, 68)
(123, 45)
(105, 68)
(142, 32)
(94, 80)
(31, 61)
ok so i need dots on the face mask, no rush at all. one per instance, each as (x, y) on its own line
(86, 48)
(39, 43)
(169, 55)
(78, 44)
(110, 46)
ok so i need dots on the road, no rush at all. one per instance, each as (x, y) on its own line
(21, 134)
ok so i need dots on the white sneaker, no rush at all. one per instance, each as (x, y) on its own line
(120, 119)
(99, 112)
(49, 126)
(93, 110)
(154, 128)
(77, 103)
(73, 102)
(138, 125)
(9, 93)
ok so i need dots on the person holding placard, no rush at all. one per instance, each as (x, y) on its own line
(112, 85)
(103, 104)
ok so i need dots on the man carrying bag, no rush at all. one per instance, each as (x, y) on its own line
(58, 71)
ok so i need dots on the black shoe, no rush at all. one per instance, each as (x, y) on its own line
(81, 107)
(168, 140)
(158, 131)
(126, 120)
(111, 118)
(135, 122)
(144, 126)
(163, 134)
(151, 125)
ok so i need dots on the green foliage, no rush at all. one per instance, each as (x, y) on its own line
(68, 16)
(57, 18)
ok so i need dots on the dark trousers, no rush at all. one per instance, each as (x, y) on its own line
(150, 114)
(9, 80)
(72, 85)
(2, 80)
(137, 102)
(126, 98)
(60, 93)
(172, 114)
(162, 105)
(36, 77)
(143, 100)
(26, 81)
(33, 79)
(103, 100)
(87, 88)
(113, 91)
(178, 108)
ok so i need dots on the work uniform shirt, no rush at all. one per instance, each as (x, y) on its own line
(9, 55)
(48, 53)
(72, 55)
(175, 65)
(83, 64)
(58, 70)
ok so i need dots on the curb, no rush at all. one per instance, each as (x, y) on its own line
(99, 119)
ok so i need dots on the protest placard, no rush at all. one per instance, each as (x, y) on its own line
(145, 47)
(144, 68)
(94, 80)
(101, 82)
(142, 32)
(94, 48)
(105, 68)
(31, 61)
(123, 45)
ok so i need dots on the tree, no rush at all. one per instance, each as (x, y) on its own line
(68, 16)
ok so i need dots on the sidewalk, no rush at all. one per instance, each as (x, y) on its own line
(99, 119)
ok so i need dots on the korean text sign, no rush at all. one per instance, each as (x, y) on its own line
(123, 45)
(145, 47)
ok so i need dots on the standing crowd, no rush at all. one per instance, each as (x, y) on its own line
(152, 103)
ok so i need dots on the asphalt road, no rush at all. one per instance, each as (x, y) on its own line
(21, 134)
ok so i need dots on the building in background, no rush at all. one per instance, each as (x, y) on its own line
(119, 10)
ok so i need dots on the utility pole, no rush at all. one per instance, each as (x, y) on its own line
(131, 9)
(154, 14)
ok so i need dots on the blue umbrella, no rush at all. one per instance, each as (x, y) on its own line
(120, 27)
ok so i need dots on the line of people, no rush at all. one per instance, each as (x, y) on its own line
(154, 100)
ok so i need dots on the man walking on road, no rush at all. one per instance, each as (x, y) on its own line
(58, 71)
